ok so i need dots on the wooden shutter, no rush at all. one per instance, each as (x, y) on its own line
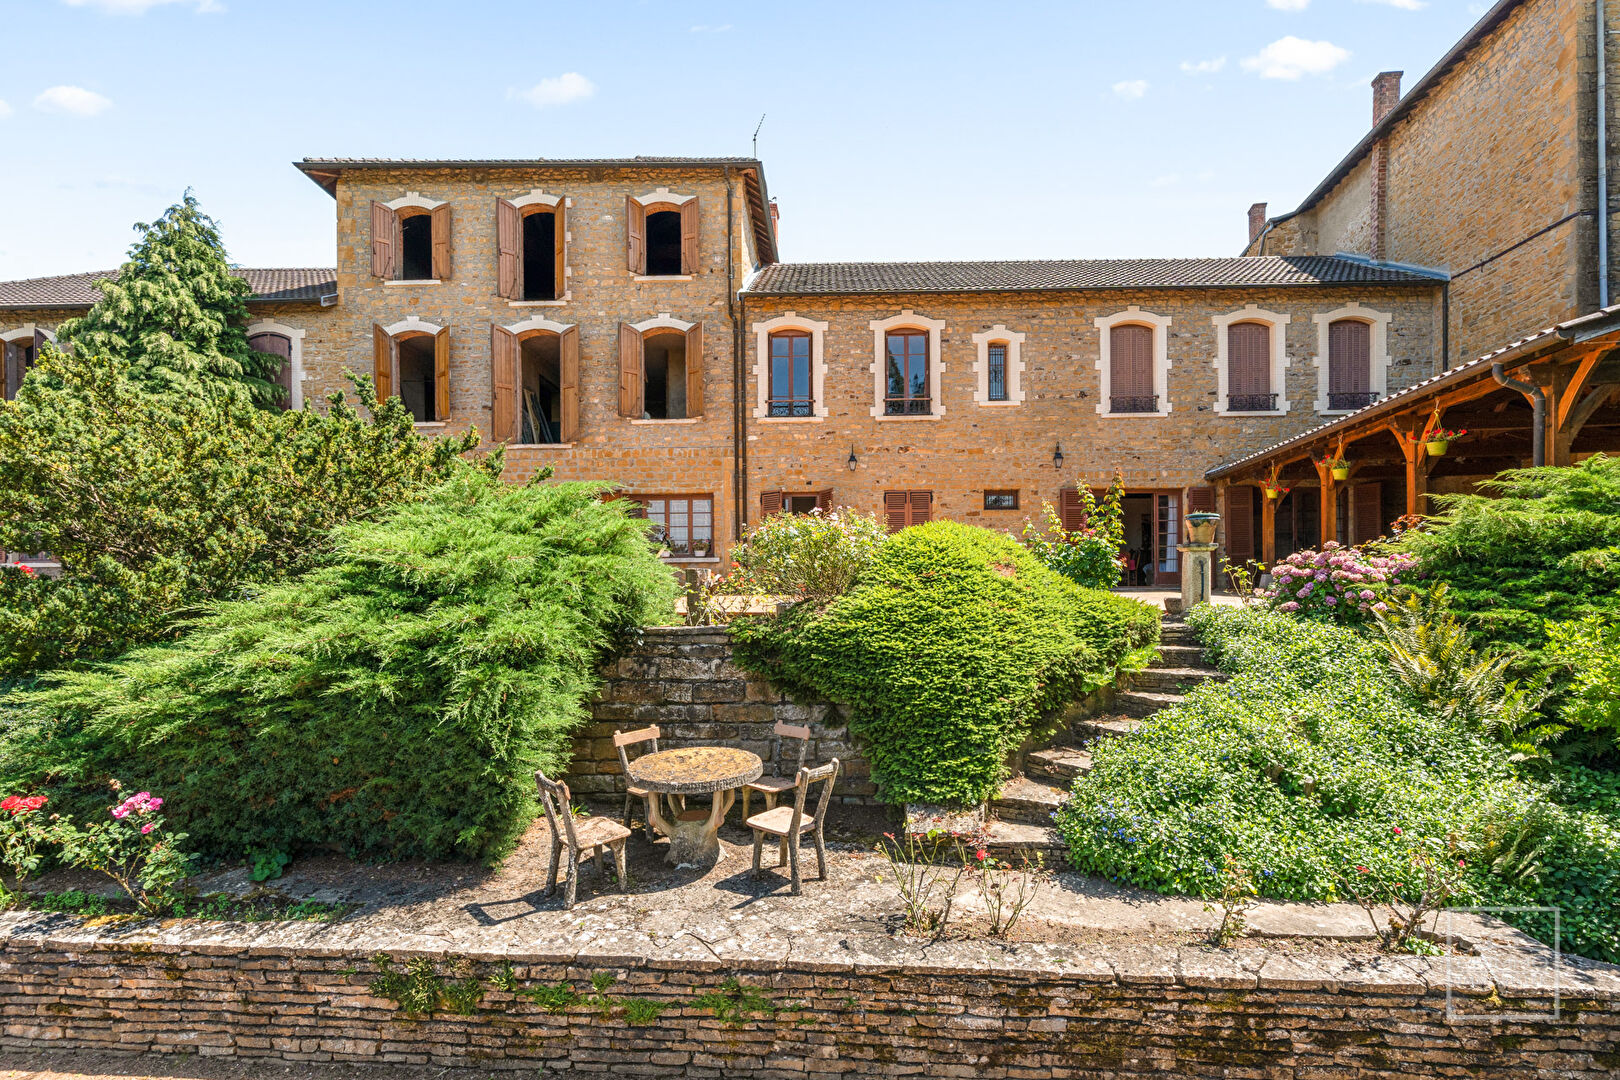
(509, 249)
(41, 339)
(559, 233)
(12, 374)
(1201, 500)
(922, 505)
(441, 371)
(1130, 361)
(824, 500)
(770, 502)
(1349, 357)
(568, 369)
(897, 509)
(383, 227)
(694, 370)
(1366, 512)
(504, 423)
(382, 362)
(441, 242)
(632, 386)
(1248, 358)
(635, 235)
(1071, 510)
(1240, 523)
(689, 236)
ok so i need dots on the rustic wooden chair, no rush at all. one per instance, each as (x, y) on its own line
(622, 739)
(779, 780)
(592, 832)
(787, 824)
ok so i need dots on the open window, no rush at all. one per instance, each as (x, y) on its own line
(17, 355)
(532, 242)
(279, 346)
(661, 370)
(410, 242)
(413, 363)
(536, 380)
(661, 238)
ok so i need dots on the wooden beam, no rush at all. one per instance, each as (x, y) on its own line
(1268, 531)
(1329, 515)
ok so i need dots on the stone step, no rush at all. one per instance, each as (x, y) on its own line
(1014, 841)
(1177, 634)
(1103, 727)
(1172, 680)
(1145, 702)
(1181, 655)
(1028, 801)
(1060, 764)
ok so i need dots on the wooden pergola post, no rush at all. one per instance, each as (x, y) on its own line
(1268, 531)
(1330, 501)
(1416, 453)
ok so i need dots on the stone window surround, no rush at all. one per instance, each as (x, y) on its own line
(538, 197)
(906, 320)
(762, 367)
(536, 324)
(413, 324)
(26, 332)
(1014, 340)
(1160, 325)
(662, 321)
(1279, 356)
(1377, 351)
(662, 197)
(413, 200)
(296, 361)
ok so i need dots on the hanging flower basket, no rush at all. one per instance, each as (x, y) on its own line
(1273, 490)
(1438, 440)
(1341, 472)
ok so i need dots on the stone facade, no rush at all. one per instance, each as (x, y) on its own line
(684, 680)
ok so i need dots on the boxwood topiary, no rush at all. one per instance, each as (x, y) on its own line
(950, 644)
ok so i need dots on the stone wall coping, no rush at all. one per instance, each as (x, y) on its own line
(1504, 961)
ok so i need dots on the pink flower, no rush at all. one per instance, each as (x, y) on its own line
(1397, 830)
(981, 854)
(146, 828)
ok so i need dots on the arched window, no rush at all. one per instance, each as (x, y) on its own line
(790, 389)
(535, 376)
(18, 352)
(410, 240)
(661, 234)
(1248, 368)
(661, 369)
(279, 346)
(1130, 369)
(1350, 365)
(531, 240)
(411, 360)
(907, 359)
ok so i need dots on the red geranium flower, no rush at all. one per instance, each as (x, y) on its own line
(19, 804)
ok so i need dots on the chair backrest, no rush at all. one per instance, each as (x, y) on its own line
(558, 803)
(826, 774)
(798, 732)
(622, 739)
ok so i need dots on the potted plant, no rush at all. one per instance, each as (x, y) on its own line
(1340, 468)
(700, 549)
(1437, 440)
(1273, 489)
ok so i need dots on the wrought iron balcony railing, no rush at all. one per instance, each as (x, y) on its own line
(1345, 400)
(791, 407)
(1251, 402)
(1133, 403)
(910, 406)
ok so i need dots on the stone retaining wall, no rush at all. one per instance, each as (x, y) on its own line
(682, 678)
(961, 1009)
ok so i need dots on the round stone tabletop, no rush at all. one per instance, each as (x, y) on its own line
(696, 770)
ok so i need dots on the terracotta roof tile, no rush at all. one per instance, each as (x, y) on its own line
(79, 290)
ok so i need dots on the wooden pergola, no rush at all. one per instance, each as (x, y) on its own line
(1570, 371)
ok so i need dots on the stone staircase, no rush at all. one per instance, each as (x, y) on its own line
(1020, 819)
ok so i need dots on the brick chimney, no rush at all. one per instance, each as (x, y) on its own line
(776, 220)
(1257, 220)
(1386, 94)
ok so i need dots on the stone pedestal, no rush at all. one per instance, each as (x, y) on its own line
(1197, 574)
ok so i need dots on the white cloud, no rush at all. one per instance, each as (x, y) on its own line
(1167, 180)
(1289, 5)
(1290, 57)
(706, 29)
(559, 90)
(1404, 5)
(5, 110)
(141, 7)
(1131, 88)
(1203, 67)
(73, 100)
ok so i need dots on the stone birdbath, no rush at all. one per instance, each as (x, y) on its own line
(694, 835)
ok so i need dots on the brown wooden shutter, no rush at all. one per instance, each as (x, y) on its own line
(824, 500)
(897, 509)
(1240, 523)
(503, 364)
(1130, 361)
(41, 339)
(689, 236)
(1366, 512)
(441, 242)
(922, 505)
(635, 235)
(11, 369)
(1248, 358)
(1349, 357)
(632, 386)
(1071, 510)
(383, 227)
(509, 249)
(770, 502)
(694, 370)
(568, 365)
(1201, 500)
(382, 362)
(441, 373)
(559, 224)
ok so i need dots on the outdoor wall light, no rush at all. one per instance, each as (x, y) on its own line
(853, 461)
(1057, 457)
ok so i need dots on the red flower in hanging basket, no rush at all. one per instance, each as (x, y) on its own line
(1443, 434)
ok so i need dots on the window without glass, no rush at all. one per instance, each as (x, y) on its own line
(535, 378)
(416, 377)
(789, 393)
(1130, 370)
(908, 374)
(1001, 500)
(531, 243)
(1350, 365)
(1248, 368)
(410, 244)
(661, 240)
(998, 370)
(664, 376)
(18, 357)
(415, 366)
(663, 243)
(279, 346)
(683, 523)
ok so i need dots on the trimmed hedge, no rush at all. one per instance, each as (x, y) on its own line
(393, 703)
(953, 641)
(1302, 766)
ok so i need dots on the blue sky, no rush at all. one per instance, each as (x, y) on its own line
(1089, 129)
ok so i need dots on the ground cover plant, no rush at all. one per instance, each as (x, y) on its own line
(1312, 763)
(945, 651)
(393, 702)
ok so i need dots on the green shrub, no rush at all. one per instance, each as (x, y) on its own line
(1301, 768)
(1088, 555)
(812, 555)
(948, 647)
(1590, 650)
(394, 702)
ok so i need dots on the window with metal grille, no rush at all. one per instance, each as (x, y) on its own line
(1130, 376)
(789, 393)
(1001, 500)
(998, 371)
(1349, 365)
(1248, 368)
(908, 374)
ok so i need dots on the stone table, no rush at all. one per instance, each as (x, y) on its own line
(694, 835)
